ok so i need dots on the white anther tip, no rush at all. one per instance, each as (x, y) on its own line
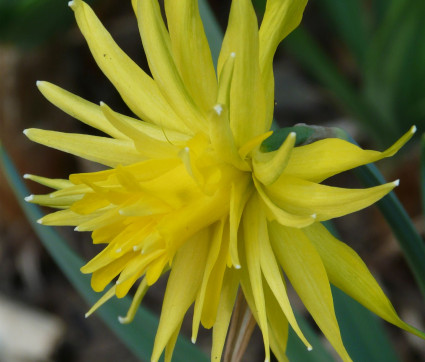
(38, 83)
(27, 176)
(40, 221)
(135, 248)
(314, 216)
(71, 3)
(121, 319)
(29, 198)
(309, 348)
(237, 266)
(25, 132)
(233, 54)
(396, 182)
(193, 340)
(76, 228)
(218, 109)
(413, 129)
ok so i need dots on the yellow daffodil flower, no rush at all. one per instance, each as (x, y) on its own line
(189, 190)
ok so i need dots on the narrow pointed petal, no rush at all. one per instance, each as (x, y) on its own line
(280, 18)
(274, 212)
(274, 278)
(255, 229)
(322, 159)
(222, 137)
(120, 152)
(53, 183)
(156, 42)
(304, 268)
(326, 202)
(77, 107)
(247, 101)
(350, 274)
(135, 303)
(240, 193)
(182, 287)
(136, 88)
(191, 51)
(169, 348)
(268, 166)
(144, 143)
(55, 202)
(108, 295)
(224, 313)
(225, 80)
(213, 253)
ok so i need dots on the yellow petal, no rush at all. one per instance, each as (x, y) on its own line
(191, 51)
(169, 348)
(225, 80)
(156, 42)
(147, 146)
(247, 101)
(280, 18)
(102, 277)
(55, 202)
(77, 107)
(350, 274)
(255, 229)
(136, 88)
(305, 198)
(225, 308)
(278, 325)
(274, 278)
(268, 166)
(274, 212)
(222, 138)
(240, 193)
(214, 250)
(321, 159)
(106, 151)
(135, 303)
(183, 285)
(54, 183)
(108, 295)
(64, 218)
(304, 268)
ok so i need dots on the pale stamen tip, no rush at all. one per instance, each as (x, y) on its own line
(76, 228)
(135, 248)
(40, 221)
(102, 103)
(237, 266)
(27, 176)
(413, 129)
(186, 149)
(233, 54)
(292, 134)
(396, 182)
(25, 131)
(313, 216)
(118, 250)
(309, 348)
(29, 198)
(38, 83)
(121, 319)
(86, 315)
(117, 282)
(71, 3)
(218, 109)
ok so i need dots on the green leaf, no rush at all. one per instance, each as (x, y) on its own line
(140, 334)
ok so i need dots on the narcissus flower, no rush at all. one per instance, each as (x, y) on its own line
(189, 190)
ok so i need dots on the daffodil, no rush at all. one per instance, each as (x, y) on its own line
(189, 191)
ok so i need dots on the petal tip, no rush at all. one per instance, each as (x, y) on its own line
(40, 221)
(413, 129)
(71, 4)
(26, 176)
(396, 182)
(76, 228)
(237, 266)
(218, 108)
(29, 198)
(309, 348)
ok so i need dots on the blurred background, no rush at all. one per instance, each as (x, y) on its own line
(355, 64)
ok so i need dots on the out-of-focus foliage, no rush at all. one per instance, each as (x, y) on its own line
(385, 40)
(28, 23)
